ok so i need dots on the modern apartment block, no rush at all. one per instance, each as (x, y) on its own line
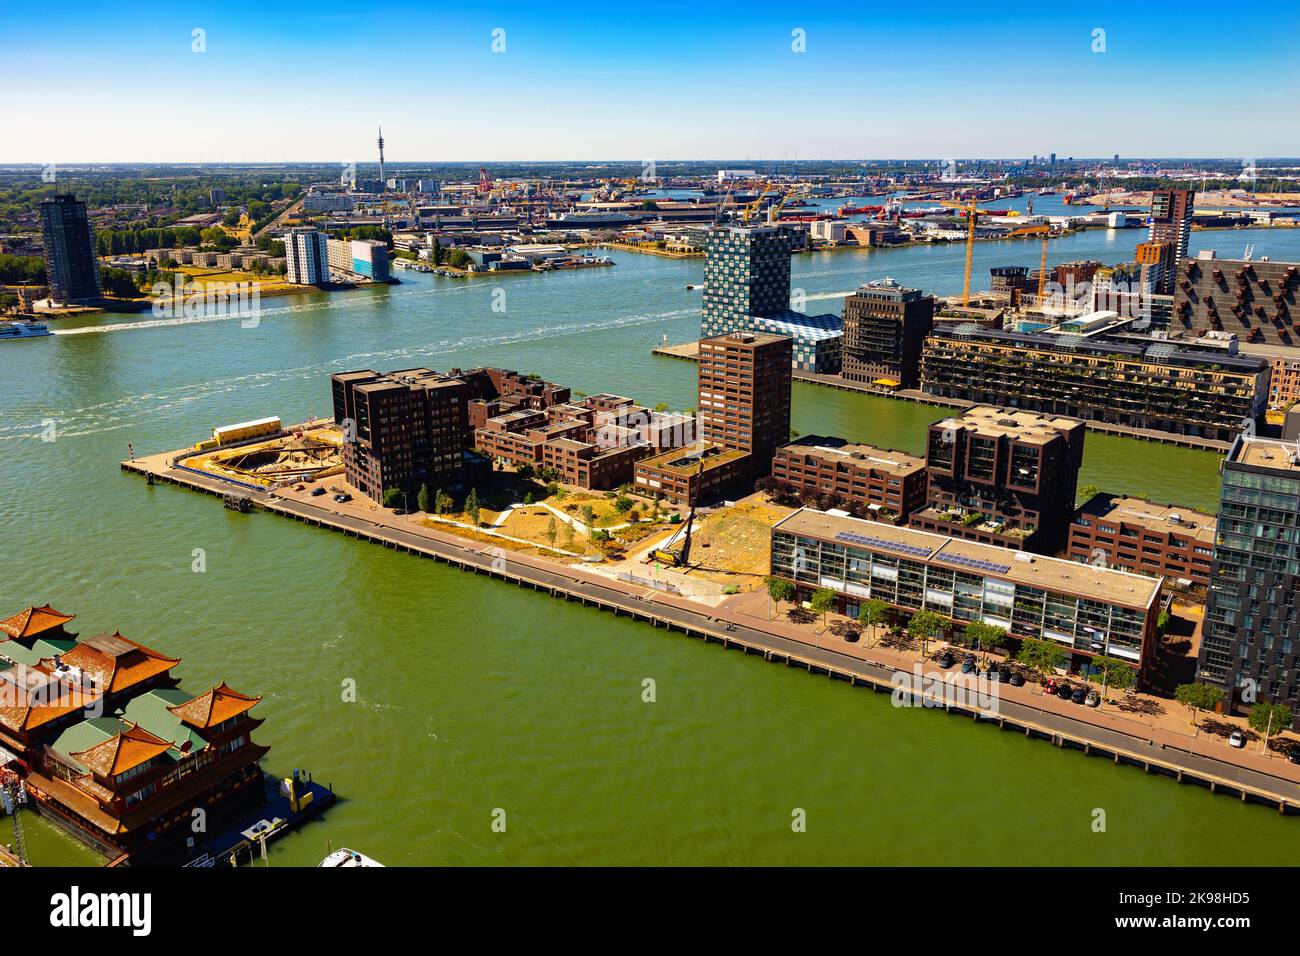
(1256, 299)
(744, 393)
(1160, 540)
(306, 257)
(744, 414)
(402, 430)
(1003, 477)
(1251, 634)
(361, 258)
(71, 255)
(885, 326)
(747, 288)
(875, 483)
(1171, 222)
(1134, 382)
(1086, 610)
(1284, 386)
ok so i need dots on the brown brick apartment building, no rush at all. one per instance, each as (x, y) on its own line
(875, 483)
(1146, 538)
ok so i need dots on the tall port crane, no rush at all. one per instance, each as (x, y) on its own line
(484, 181)
(972, 211)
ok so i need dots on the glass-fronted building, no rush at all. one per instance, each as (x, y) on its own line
(1088, 610)
(1252, 622)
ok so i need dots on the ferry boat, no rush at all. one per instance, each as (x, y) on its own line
(23, 330)
(346, 857)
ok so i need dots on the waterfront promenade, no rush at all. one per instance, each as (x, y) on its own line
(1162, 745)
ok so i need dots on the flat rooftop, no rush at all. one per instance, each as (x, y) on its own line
(1267, 453)
(836, 451)
(685, 461)
(1056, 574)
(742, 338)
(1155, 517)
(1017, 423)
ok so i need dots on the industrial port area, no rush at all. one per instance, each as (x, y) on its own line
(388, 464)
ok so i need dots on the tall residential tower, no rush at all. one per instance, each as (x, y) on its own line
(71, 262)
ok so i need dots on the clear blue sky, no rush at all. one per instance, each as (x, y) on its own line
(638, 80)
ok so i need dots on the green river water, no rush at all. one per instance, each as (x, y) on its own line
(474, 695)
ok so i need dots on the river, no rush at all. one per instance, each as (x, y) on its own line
(475, 696)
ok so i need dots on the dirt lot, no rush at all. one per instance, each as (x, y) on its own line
(732, 546)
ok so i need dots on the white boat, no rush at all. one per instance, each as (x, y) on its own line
(346, 857)
(23, 330)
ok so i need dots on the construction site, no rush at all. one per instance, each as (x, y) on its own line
(308, 452)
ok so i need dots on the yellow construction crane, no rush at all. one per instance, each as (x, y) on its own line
(752, 209)
(972, 211)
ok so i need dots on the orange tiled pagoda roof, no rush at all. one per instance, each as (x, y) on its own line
(116, 662)
(207, 710)
(32, 696)
(123, 751)
(33, 621)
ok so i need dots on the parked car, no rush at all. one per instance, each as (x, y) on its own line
(993, 674)
(1237, 739)
(1293, 755)
(343, 496)
(1004, 673)
(1017, 679)
(1064, 691)
(968, 664)
(317, 492)
(1093, 699)
(1078, 695)
(946, 660)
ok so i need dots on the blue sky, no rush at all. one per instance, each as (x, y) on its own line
(618, 80)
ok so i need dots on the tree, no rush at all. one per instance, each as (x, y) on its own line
(1114, 673)
(623, 504)
(524, 472)
(1042, 656)
(422, 499)
(441, 502)
(873, 612)
(392, 497)
(778, 590)
(1268, 719)
(551, 530)
(588, 517)
(528, 498)
(1197, 697)
(822, 601)
(566, 536)
(924, 625)
(472, 506)
(988, 636)
(1088, 492)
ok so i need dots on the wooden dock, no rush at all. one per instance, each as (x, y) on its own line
(714, 626)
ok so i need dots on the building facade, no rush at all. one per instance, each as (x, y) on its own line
(1251, 633)
(71, 254)
(402, 430)
(744, 394)
(1284, 385)
(1003, 477)
(361, 258)
(1159, 540)
(1154, 384)
(1087, 611)
(306, 257)
(875, 483)
(1171, 222)
(885, 326)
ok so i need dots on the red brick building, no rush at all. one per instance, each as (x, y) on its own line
(875, 483)
(1145, 538)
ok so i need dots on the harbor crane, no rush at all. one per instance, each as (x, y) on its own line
(972, 211)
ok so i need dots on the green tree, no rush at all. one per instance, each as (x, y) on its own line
(551, 530)
(528, 498)
(1043, 656)
(778, 590)
(1114, 673)
(1088, 492)
(1268, 719)
(588, 517)
(873, 612)
(472, 507)
(1198, 697)
(924, 625)
(566, 536)
(822, 602)
(392, 497)
(623, 504)
(441, 502)
(988, 636)
(422, 499)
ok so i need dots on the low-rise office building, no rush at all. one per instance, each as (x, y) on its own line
(1160, 540)
(690, 475)
(876, 483)
(1087, 610)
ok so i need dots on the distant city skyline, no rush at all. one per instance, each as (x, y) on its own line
(239, 82)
